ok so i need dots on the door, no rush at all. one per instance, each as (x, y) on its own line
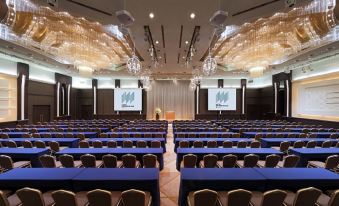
(86, 112)
(41, 113)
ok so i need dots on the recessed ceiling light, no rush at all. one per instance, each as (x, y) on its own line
(151, 15)
(156, 42)
(186, 42)
(192, 15)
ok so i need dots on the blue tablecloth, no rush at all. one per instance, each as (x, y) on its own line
(219, 179)
(67, 142)
(252, 134)
(134, 140)
(205, 140)
(87, 134)
(139, 129)
(120, 179)
(194, 129)
(307, 154)
(197, 134)
(271, 142)
(324, 134)
(99, 152)
(220, 152)
(15, 134)
(19, 154)
(296, 178)
(131, 134)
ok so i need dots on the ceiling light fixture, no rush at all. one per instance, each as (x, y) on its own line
(192, 15)
(186, 42)
(151, 15)
(156, 42)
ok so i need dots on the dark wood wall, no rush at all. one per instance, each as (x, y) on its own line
(260, 103)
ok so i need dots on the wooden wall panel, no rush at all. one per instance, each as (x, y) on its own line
(105, 102)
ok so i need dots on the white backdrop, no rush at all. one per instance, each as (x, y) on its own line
(127, 99)
(222, 99)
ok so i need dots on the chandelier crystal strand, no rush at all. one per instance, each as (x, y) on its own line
(133, 63)
(209, 66)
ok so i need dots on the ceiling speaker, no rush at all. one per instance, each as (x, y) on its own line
(218, 18)
(124, 17)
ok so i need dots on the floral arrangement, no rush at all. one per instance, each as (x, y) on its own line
(158, 110)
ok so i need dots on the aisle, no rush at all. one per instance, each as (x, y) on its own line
(169, 176)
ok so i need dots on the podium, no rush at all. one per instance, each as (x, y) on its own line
(170, 115)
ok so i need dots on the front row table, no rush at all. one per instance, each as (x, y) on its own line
(307, 154)
(84, 179)
(25, 154)
(258, 179)
(119, 152)
(220, 152)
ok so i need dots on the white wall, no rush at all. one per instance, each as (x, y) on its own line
(8, 67)
(106, 83)
(208, 83)
(38, 73)
(260, 82)
(129, 83)
(81, 83)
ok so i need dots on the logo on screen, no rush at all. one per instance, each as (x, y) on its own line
(221, 99)
(127, 99)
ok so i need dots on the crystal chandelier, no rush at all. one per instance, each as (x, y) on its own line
(196, 77)
(255, 46)
(133, 65)
(192, 85)
(210, 66)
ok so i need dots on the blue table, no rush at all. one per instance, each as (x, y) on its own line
(219, 179)
(131, 134)
(296, 178)
(271, 142)
(120, 179)
(205, 140)
(307, 154)
(67, 142)
(19, 154)
(134, 140)
(87, 134)
(99, 152)
(197, 134)
(15, 134)
(252, 134)
(220, 152)
(324, 134)
(40, 178)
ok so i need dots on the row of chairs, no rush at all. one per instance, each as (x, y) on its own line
(214, 144)
(107, 161)
(197, 129)
(53, 146)
(33, 197)
(143, 129)
(285, 146)
(53, 129)
(240, 197)
(292, 135)
(231, 161)
(212, 135)
(288, 129)
(125, 144)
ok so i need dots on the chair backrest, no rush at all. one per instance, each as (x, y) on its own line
(239, 197)
(11, 144)
(88, 160)
(236, 135)
(63, 197)
(332, 162)
(149, 161)
(202, 135)
(54, 146)
(227, 144)
(205, 198)
(229, 161)
(110, 161)
(112, 144)
(155, 144)
(311, 144)
(83, 144)
(279, 135)
(97, 144)
(291, 161)
(272, 160)
(181, 135)
(4, 136)
(47, 161)
(298, 144)
(6, 162)
(99, 198)
(255, 144)
(133, 198)
(269, 135)
(302, 135)
(3, 199)
(284, 146)
(39, 144)
(127, 144)
(30, 197)
(69, 135)
(313, 135)
(334, 201)
(67, 161)
(212, 144)
(326, 144)
(334, 136)
(242, 144)
(103, 135)
(27, 144)
(225, 135)
(258, 137)
(184, 144)
(129, 161)
(273, 197)
(210, 161)
(26, 135)
(291, 135)
(125, 135)
(190, 160)
(81, 136)
(46, 135)
(191, 135)
(307, 196)
(59, 135)
(36, 135)
(337, 145)
(141, 144)
(198, 144)
(251, 160)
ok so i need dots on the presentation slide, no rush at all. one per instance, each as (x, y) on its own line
(127, 99)
(222, 99)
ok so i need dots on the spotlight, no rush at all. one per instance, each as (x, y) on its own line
(151, 15)
(192, 15)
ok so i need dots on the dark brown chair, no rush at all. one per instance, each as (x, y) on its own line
(83, 144)
(203, 198)
(198, 144)
(150, 161)
(89, 161)
(189, 161)
(40, 144)
(184, 144)
(228, 161)
(250, 160)
(289, 161)
(209, 161)
(326, 144)
(136, 198)
(212, 144)
(97, 144)
(255, 144)
(238, 197)
(141, 144)
(27, 144)
(227, 144)
(242, 144)
(99, 197)
(112, 144)
(155, 144)
(311, 144)
(111, 161)
(130, 161)
(67, 161)
(127, 144)
(48, 161)
(270, 162)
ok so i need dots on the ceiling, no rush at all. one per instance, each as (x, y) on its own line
(171, 27)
